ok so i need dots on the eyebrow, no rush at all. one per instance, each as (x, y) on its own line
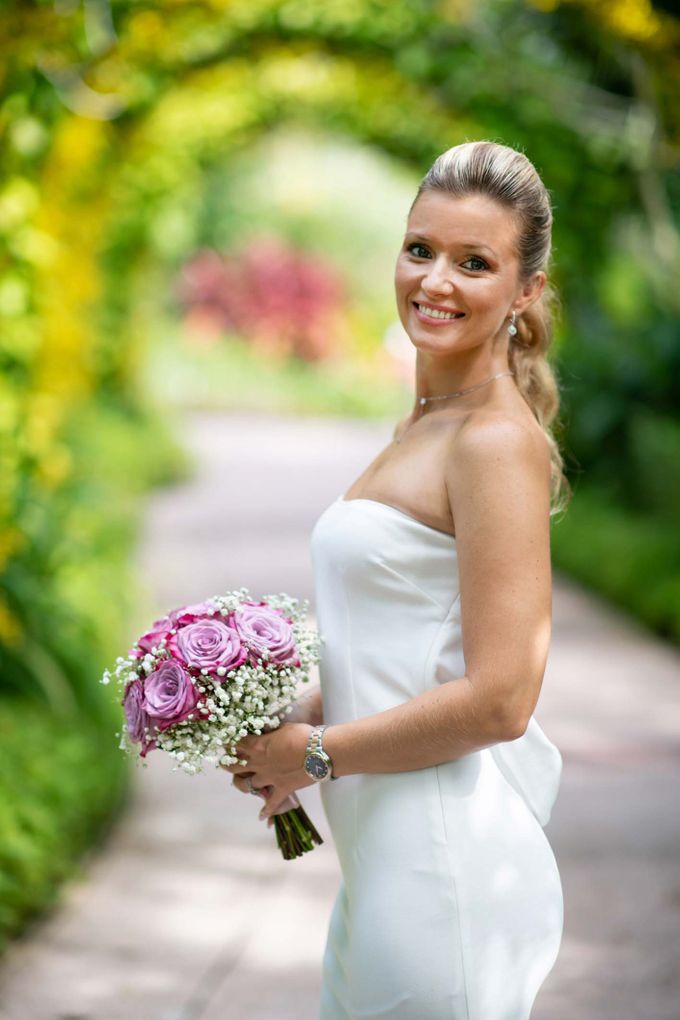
(464, 244)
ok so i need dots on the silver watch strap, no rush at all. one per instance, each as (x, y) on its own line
(315, 743)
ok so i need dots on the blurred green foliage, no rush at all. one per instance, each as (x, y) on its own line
(231, 373)
(72, 586)
(629, 558)
(60, 789)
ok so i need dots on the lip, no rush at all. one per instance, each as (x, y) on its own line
(428, 320)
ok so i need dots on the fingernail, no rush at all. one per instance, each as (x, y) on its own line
(263, 814)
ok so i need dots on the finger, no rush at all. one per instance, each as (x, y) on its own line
(277, 803)
(238, 770)
(243, 752)
(241, 783)
(245, 745)
(288, 804)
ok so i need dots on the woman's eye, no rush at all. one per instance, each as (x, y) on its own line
(422, 249)
(421, 252)
(481, 264)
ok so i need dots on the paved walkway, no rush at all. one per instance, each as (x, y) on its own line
(189, 913)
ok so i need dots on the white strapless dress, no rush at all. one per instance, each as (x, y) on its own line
(450, 905)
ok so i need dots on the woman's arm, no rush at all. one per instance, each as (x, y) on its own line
(498, 480)
(308, 708)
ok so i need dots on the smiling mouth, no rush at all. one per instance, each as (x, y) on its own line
(436, 313)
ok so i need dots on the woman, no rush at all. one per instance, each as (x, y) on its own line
(433, 593)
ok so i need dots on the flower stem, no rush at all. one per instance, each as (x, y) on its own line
(295, 833)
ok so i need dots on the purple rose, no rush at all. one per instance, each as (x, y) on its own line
(175, 618)
(138, 722)
(263, 628)
(160, 629)
(208, 644)
(169, 695)
(187, 614)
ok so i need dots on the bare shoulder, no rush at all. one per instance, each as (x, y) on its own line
(495, 435)
(498, 466)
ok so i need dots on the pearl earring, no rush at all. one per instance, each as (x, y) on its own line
(512, 328)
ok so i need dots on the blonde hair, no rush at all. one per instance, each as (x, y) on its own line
(508, 177)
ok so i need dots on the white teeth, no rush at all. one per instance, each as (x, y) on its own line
(434, 313)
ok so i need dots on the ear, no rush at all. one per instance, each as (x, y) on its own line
(530, 292)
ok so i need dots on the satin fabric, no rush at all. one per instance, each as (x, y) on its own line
(450, 905)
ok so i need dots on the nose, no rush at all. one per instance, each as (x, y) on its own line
(437, 278)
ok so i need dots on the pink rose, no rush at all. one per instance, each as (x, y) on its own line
(139, 725)
(262, 627)
(160, 629)
(169, 695)
(175, 618)
(208, 644)
(187, 614)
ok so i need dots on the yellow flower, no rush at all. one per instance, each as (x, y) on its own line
(55, 468)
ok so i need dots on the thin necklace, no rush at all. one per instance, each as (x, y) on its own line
(423, 400)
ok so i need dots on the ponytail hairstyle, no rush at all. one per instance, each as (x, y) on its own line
(508, 177)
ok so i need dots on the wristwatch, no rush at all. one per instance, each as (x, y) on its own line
(318, 764)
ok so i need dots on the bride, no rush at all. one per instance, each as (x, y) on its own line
(433, 593)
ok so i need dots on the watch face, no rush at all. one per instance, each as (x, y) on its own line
(315, 766)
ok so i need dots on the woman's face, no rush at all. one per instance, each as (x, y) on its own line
(458, 256)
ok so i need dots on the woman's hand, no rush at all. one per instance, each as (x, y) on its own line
(275, 763)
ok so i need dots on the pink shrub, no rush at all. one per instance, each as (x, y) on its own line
(284, 301)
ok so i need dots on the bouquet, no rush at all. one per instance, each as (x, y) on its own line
(206, 675)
